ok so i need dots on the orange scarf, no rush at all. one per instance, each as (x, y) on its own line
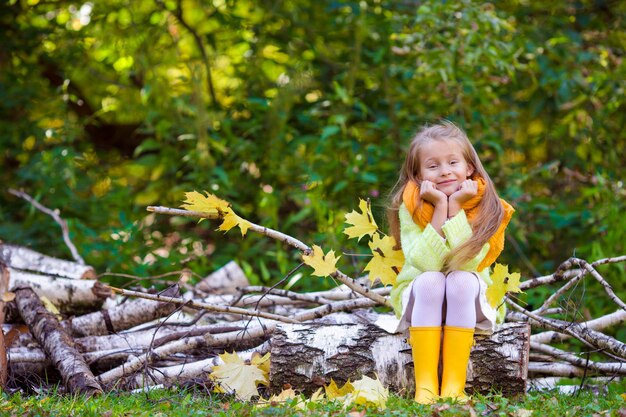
(422, 213)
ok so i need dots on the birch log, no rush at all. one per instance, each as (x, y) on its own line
(56, 343)
(121, 317)
(4, 288)
(19, 257)
(68, 295)
(306, 356)
(225, 280)
(500, 361)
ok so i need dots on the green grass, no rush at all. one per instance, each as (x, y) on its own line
(186, 402)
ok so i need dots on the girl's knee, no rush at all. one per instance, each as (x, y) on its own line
(461, 284)
(431, 285)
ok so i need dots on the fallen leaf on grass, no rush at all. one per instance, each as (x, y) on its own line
(333, 391)
(368, 390)
(522, 412)
(235, 376)
(363, 391)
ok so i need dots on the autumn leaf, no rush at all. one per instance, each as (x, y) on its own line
(231, 220)
(386, 262)
(503, 282)
(317, 396)
(368, 390)
(333, 391)
(323, 265)
(8, 296)
(280, 398)
(216, 208)
(238, 377)
(362, 223)
(49, 305)
(262, 362)
(210, 204)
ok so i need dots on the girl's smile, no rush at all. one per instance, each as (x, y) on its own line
(443, 163)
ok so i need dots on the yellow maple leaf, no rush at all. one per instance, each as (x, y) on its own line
(333, 391)
(386, 262)
(231, 220)
(362, 223)
(368, 390)
(323, 265)
(317, 396)
(235, 376)
(210, 204)
(263, 362)
(280, 398)
(503, 282)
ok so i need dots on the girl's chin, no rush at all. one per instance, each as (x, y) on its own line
(448, 189)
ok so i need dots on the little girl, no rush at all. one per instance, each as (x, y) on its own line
(447, 216)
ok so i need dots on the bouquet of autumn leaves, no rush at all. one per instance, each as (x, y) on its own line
(242, 377)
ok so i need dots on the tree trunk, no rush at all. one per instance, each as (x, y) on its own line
(19, 257)
(56, 343)
(306, 356)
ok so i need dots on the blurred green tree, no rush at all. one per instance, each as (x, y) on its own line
(293, 110)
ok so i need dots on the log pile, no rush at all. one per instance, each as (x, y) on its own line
(63, 325)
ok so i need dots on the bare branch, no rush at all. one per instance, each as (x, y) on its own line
(202, 306)
(282, 237)
(287, 294)
(589, 337)
(614, 368)
(616, 318)
(57, 218)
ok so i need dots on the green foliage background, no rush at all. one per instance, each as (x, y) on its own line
(294, 109)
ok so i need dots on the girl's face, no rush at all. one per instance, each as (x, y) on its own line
(442, 163)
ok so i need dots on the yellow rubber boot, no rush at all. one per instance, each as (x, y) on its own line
(425, 344)
(457, 343)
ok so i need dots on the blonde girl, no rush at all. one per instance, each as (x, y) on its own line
(450, 222)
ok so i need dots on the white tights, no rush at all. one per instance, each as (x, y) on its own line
(458, 288)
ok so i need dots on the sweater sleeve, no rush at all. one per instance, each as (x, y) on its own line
(423, 249)
(457, 229)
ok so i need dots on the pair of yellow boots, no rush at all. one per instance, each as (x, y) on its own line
(425, 344)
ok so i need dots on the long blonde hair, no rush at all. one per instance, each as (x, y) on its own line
(490, 210)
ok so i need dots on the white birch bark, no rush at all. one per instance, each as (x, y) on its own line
(116, 319)
(57, 344)
(225, 280)
(19, 257)
(306, 356)
(68, 295)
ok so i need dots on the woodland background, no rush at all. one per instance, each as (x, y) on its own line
(292, 110)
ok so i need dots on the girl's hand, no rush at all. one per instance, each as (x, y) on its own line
(467, 190)
(430, 193)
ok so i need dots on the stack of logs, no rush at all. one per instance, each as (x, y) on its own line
(61, 324)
